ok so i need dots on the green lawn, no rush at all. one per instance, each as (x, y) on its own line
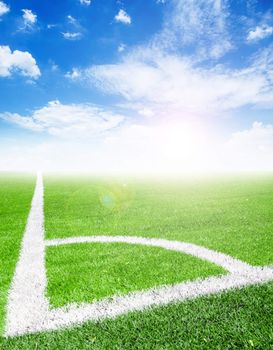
(15, 198)
(88, 272)
(241, 319)
(230, 214)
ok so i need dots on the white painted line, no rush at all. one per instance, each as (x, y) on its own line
(27, 304)
(28, 308)
(137, 301)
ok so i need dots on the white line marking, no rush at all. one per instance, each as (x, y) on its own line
(118, 305)
(27, 304)
(29, 311)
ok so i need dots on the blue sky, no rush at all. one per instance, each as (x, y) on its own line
(100, 38)
(143, 85)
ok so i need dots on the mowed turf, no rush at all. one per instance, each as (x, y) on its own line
(15, 199)
(239, 319)
(88, 272)
(233, 215)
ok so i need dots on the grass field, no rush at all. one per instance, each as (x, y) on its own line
(15, 197)
(232, 215)
(116, 269)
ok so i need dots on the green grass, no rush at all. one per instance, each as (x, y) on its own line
(88, 272)
(232, 215)
(15, 198)
(240, 319)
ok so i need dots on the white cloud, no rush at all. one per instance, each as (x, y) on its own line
(72, 36)
(131, 148)
(90, 138)
(146, 112)
(121, 47)
(177, 147)
(71, 120)
(72, 20)
(203, 23)
(259, 136)
(123, 17)
(260, 32)
(161, 79)
(251, 149)
(74, 29)
(74, 74)
(29, 19)
(4, 8)
(85, 2)
(20, 61)
(50, 26)
(172, 85)
(156, 78)
(54, 67)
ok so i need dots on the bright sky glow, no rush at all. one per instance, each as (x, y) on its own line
(97, 86)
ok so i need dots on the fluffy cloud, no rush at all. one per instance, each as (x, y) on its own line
(132, 148)
(173, 85)
(85, 2)
(203, 23)
(259, 137)
(72, 36)
(72, 20)
(29, 19)
(123, 17)
(259, 33)
(17, 61)
(251, 149)
(75, 30)
(121, 47)
(161, 78)
(67, 120)
(158, 77)
(74, 74)
(4, 8)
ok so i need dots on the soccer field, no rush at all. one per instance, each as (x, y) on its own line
(136, 264)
